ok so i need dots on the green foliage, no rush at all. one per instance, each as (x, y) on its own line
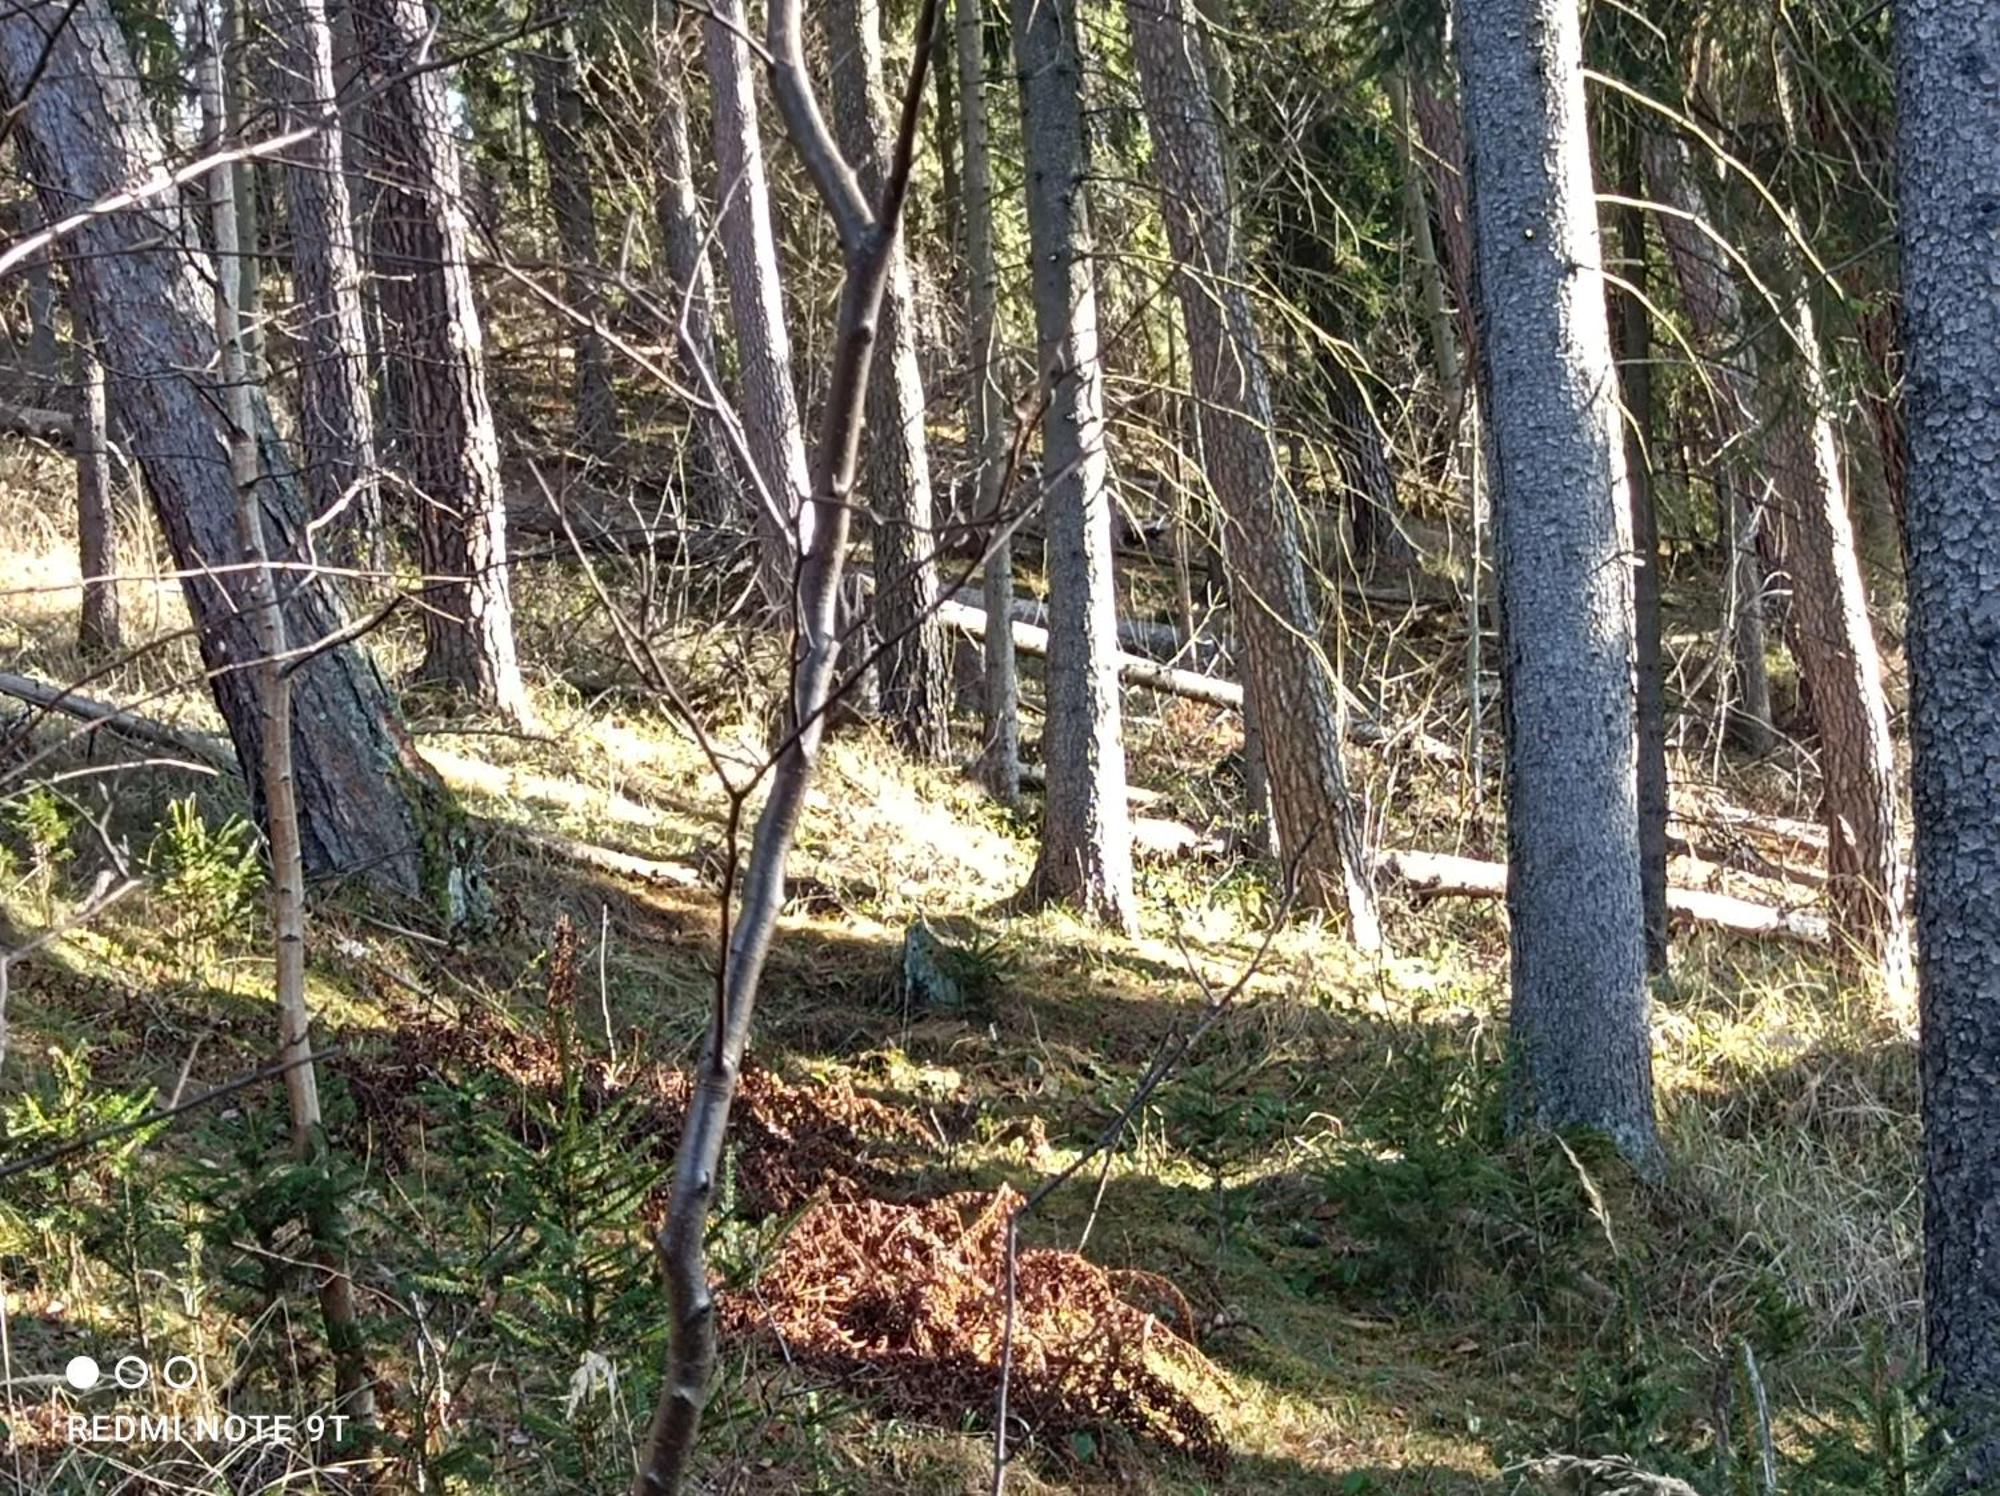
(208, 876)
(65, 1210)
(43, 821)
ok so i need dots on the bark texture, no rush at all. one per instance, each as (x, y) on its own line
(369, 806)
(1948, 187)
(1286, 672)
(98, 633)
(1579, 1027)
(985, 409)
(689, 290)
(336, 418)
(422, 250)
(768, 402)
(895, 489)
(1086, 852)
(573, 209)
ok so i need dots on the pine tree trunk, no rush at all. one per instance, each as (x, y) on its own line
(766, 397)
(1579, 1029)
(552, 62)
(1292, 700)
(985, 410)
(1948, 190)
(423, 246)
(689, 292)
(336, 418)
(1714, 307)
(896, 471)
(1086, 852)
(1632, 339)
(369, 806)
(98, 631)
(1811, 541)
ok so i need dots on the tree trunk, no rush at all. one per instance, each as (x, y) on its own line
(690, 280)
(1948, 185)
(768, 401)
(985, 414)
(896, 470)
(422, 245)
(552, 62)
(370, 808)
(248, 259)
(1086, 852)
(1715, 314)
(949, 140)
(336, 420)
(354, 1391)
(1313, 818)
(1579, 1028)
(1633, 342)
(98, 634)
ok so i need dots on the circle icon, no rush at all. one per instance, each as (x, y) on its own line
(131, 1373)
(180, 1382)
(81, 1373)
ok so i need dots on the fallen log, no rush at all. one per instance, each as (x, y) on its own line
(1194, 686)
(605, 859)
(207, 747)
(27, 420)
(1441, 874)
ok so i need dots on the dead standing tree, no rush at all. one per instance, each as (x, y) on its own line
(867, 238)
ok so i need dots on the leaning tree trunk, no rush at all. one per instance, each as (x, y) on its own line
(336, 418)
(896, 472)
(98, 633)
(1286, 672)
(1715, 314)
(769, 403)
(422, 249)
(689, 291)
(369, 806)
(1948, 186)
(1086, 854)
(985, 410)
(1580, 1037)
(1827, 627)
(553, 64)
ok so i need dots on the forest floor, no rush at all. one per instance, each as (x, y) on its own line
(1312, 1263)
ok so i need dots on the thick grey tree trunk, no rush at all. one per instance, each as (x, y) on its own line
(689, 290)
(766, 397)
(1948, 191)
(422, 250)
(1287, 674)
(336, 418)
(1086, 853)
(552, 62)
(370, 807)
(1580, 1034)
(98, 634)
(896, 467)
(985, 406)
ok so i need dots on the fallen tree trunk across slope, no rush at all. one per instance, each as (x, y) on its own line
(1441, 873)
(1435, 873)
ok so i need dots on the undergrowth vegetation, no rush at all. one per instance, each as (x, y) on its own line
(1315, 1260)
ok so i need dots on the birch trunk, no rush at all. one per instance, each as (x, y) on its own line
(99, 635)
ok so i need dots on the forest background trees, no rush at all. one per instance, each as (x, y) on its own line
(1188, 443)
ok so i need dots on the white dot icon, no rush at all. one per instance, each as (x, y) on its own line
(81, 1373)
